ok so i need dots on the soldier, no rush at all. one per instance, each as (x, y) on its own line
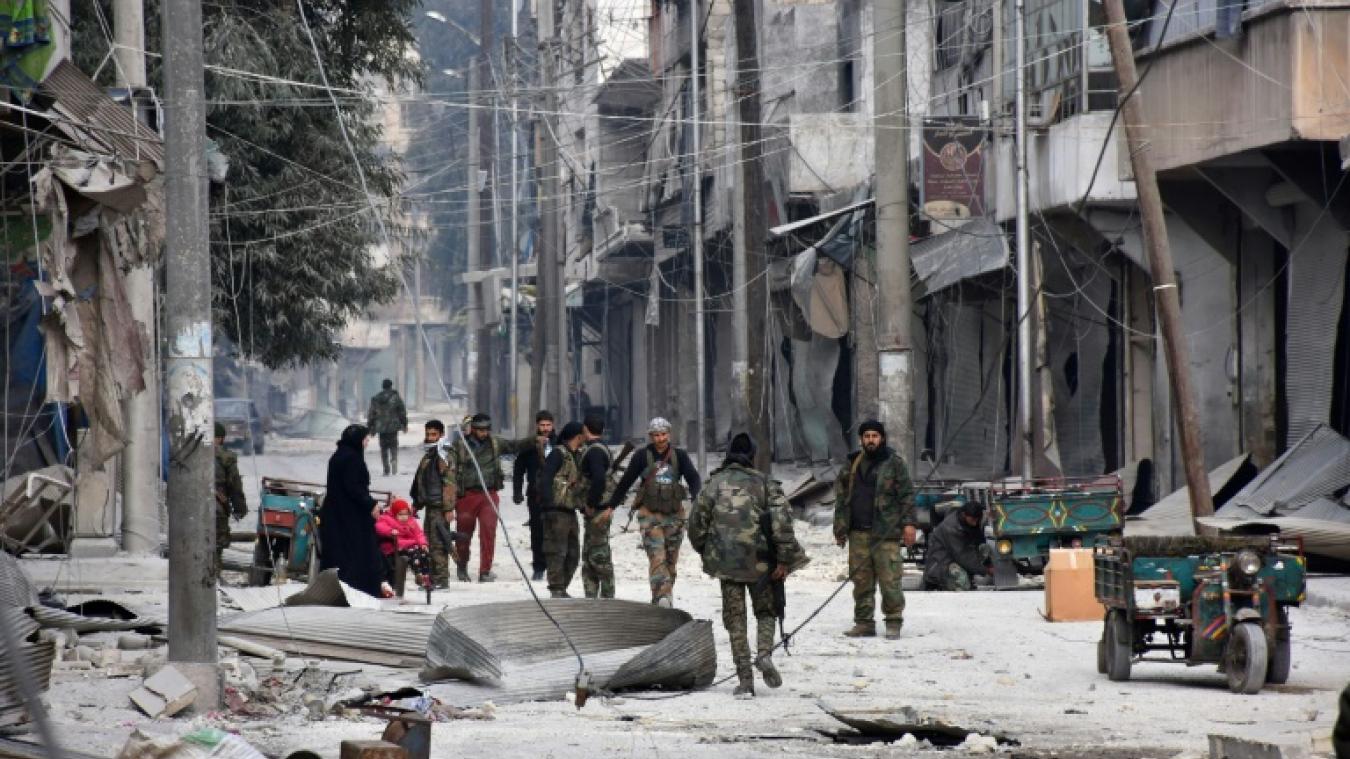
(480, 453)
(957, 554)
(660, 505)
(387, 418)
(561, 489)
(740, 524)
(229, 495)
(526, 489)
(873, 512)
(597, 562)
(433, 491)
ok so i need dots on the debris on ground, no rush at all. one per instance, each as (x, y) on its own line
(198, 744)
(164, 694)
(890, 725)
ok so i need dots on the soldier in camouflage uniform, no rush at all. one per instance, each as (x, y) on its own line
(658, 469)
(229, 494)
(561, 495)
(597, 561)
(433, 493)
(873, 514)
(387, 418)
(727, 530)
(957, 554)
(476, 504)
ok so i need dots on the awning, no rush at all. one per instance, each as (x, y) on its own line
(82, 104)
(975, 248)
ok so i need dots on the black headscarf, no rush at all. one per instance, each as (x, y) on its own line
(741, 450)
(354, 436)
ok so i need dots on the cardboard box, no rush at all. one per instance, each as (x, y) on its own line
(1069, 595)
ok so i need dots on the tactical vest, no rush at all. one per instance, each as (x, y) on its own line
(466, 474)
(428, 486)
(662, 491)
(567, 485)
(610, 481)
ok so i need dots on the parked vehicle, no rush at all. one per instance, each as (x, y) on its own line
(1027, 519)
(1200, 600)
(932, 501)
(288, 530)
(244, 428)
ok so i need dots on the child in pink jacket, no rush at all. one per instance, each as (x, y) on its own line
(399, 533)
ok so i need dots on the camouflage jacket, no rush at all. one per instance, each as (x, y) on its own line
(229, 485)
(725, 526)
(489, 455)
(387, 413)
(894, 500)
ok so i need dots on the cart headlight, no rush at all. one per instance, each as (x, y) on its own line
(1004, 547)
(1247, 563)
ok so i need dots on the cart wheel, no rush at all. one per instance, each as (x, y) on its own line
(1101, 652)
(1119, 646)
(1245, 659)
(1277, 672)
(260, 573)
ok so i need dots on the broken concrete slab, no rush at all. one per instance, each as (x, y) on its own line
(895, 723)
(164, 694)
(1233, 747)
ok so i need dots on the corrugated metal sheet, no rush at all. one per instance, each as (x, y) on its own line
(1317, 276)
(69, 620)
(1320, 537)
(265, 597)
(36, 659)
(978, 247)
(1172, 514)
(18, 621)
(1317, 466)
(328, 590)
(390, 638)
(15, 589)
(82, 101)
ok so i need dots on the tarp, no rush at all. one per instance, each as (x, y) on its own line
(975, 248)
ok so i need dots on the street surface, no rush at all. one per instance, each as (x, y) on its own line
(983, 660)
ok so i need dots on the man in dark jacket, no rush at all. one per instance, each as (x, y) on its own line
(660, 504)
(956, 550)
(387, 418)
(597, 562)
(561, 496)
(525, 482)
(347, 519)
(433, 494)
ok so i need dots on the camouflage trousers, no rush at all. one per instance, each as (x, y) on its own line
(597, 563)
(871, 569)
(957, 578)
(438, 548)
(662, 535)
(562, 551)
(389, 452)
(222, 537)
(733, 617)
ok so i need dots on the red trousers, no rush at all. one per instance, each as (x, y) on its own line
(473, 509)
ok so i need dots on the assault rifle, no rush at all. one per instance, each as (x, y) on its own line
(777, 587)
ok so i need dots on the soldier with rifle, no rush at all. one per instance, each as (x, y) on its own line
(433, 494)
(742, 527)
(229, 495)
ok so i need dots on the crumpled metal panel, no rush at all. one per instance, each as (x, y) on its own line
(36, 659)
(1317, 466)
(687, 658)
(389, 638)
(259, 598)
(978, 247)
(328, 590)
(68, 620)
(15, 589)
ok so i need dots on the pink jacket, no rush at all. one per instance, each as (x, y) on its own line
(410, 534)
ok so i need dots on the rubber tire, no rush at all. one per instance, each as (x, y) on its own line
(1119, 646)
(1245, 659)
(259, 574)
(1277, 669)
(1101, 648)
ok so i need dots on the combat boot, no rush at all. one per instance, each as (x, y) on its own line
(558, 594)
(462, 573)
(745, 690)
(862, 630)
(768, 672)
(487, 577)
(893, 627)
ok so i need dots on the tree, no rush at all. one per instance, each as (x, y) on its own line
(292, 235)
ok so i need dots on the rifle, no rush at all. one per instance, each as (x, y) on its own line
(777, 587)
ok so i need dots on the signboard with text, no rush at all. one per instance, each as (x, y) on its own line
(953, 167)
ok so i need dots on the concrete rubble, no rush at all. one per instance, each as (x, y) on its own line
(164, 694)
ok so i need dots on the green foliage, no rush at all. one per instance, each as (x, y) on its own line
(291, 232)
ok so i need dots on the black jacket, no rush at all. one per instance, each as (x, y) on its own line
(346, 528)
(953, 541)
(525, 472)
(595, 469)
(638, 465)
(547, 472)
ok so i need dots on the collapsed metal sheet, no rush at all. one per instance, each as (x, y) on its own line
(1320, 537)
(335, 632)
(1172, 514)
(328, 590)
(259, 598)
(36, 659)
(1316, 466)
(69, 620)
(15, 589)
(19, 623)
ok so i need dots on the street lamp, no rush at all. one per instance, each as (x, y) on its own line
(441, 17)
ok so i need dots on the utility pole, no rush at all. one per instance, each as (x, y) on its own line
(750, 299)
(192, 505)
(1024, 252)
(1161, 267)
(513, 248)
(895, 382)
(550, 309)
(696, 162)
(140, 459)
(474, 263)
(487, 157)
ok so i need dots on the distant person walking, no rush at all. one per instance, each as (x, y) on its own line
(347, 520)
(388, 417)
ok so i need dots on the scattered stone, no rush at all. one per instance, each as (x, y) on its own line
(62, 638)
(107, 657)
(979, 744)
(907, 740)
(69, 665)
(134, 642)
(1232, 747)
(1074, 711)
(164, 694)
(85, 653)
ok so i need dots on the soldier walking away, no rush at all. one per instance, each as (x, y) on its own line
(525, 485)
(660, 505)
(561, 492)
(958, 558)
(477, 486)
(597, 561)
(873, 513)
(229, 495)
(387, 418)
(742, 527)
(433, 494)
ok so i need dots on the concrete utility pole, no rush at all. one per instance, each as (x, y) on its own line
(192, 505)
(696, 162)
(487, 157)
(1161, 267)
(750, 300)
(140, 460)
(514, 248)
(1025, 424)
(550, 308)
(478, 392)
(895, 384)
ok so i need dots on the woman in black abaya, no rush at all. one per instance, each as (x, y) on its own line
(347, 521)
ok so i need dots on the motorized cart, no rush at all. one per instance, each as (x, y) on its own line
(288, 530)
(933, 500)
(1028, 518)
(1200, 600)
